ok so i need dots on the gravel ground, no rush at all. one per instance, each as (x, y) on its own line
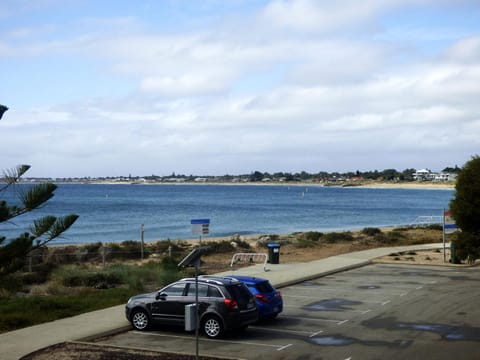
(83, 351)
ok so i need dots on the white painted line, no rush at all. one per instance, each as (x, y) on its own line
(223, 341)
(342, 322)
(316, 333)
(284, 347)
(299, 296)
(419, 287)
(376, 302)
(312, 319)
(385, 302)
(313, 288)
(403, 294)
(361, 311)
(280, 330)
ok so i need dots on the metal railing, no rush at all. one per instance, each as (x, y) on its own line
(251, 258)
(428, 220)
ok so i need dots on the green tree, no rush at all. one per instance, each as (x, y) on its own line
(13, 252)
(465, 208)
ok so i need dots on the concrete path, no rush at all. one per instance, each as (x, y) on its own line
(15, 344)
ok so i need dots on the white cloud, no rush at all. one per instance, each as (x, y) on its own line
(341, 97)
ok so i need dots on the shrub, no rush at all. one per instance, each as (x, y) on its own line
(335, 237)
(220, 247)
(312, 235)
(306, 243)
(371, 231)
(390, 237)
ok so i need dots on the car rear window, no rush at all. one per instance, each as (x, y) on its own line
(264, 287)
(240, 293)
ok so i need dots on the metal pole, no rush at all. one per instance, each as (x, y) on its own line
(443, 237)
(141, 239)
(197, 313)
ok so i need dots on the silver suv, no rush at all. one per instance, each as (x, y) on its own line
(224, 304)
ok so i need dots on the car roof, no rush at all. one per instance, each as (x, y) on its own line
(212, 279)
(248, 279)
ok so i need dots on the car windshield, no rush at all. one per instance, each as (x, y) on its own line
(264, 287)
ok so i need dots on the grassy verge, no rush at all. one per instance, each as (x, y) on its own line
(32, 310)
(72, 290)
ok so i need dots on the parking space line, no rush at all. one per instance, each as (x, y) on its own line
(316, 333)
(311, 319)
(299, 296)
(223, 341)
(282, 330)
(342, 322)
(386, 302)
(363, 312)
(284, 347)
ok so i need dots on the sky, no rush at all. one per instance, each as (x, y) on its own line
(216, 87)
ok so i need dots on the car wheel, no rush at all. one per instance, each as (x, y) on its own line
(212, 327)
(140, 320)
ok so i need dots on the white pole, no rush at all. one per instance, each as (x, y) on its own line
(443, 237)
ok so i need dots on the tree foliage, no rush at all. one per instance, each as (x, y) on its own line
(13, 252)
(465, 208)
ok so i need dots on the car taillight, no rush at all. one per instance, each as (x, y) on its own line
(262, 298)
(232, 305)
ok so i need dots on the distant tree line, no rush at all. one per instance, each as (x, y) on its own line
(255, 176)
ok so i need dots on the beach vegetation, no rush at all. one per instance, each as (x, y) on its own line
(75, 289)
(465, 208)
(308, 239)
(371, 231)
(336, 237)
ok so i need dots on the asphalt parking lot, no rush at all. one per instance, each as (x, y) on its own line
(374, 312)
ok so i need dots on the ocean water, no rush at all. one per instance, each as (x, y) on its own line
(114, 213)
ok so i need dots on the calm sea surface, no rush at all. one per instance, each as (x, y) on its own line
(112, 213)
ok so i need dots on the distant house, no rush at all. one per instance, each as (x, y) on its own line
(423, 175)
(427, 175)
(445, 177)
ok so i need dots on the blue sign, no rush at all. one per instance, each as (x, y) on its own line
(200, 226)
(200, 221)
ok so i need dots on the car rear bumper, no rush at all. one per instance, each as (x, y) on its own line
(241, 319)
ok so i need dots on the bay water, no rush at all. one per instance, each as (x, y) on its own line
(115, 213)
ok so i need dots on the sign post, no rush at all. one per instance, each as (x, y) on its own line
(200, 227)
(449, 227)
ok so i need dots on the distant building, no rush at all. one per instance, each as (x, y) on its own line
(428, 175)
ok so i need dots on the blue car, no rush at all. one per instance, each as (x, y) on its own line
(269, 299)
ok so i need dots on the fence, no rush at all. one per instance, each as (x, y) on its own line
(101, 254)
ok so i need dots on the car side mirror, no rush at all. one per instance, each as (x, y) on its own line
(161, 296)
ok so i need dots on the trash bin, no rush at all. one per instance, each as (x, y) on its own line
(453, 254)
(273, 253)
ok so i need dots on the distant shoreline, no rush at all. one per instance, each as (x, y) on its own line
(426, 185)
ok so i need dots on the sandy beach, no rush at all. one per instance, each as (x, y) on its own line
(426, 185)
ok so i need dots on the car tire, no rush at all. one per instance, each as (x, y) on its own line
(140, 320)
(212, 327)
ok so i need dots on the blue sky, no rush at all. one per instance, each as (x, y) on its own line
(214, 87)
